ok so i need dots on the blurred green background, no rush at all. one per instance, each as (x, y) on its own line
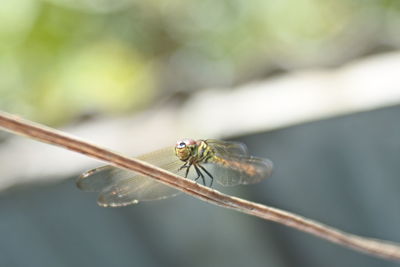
(63, 59)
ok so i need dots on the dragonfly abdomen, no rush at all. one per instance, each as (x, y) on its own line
(243, 167)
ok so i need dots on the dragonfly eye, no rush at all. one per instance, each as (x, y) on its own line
(181, 145)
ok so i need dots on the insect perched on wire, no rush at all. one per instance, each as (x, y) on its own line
(229, 163)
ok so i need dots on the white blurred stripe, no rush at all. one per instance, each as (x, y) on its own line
(295, 98)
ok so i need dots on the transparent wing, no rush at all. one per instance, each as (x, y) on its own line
(228, 148)
(97, 179)
(119, 187)
(232, 165)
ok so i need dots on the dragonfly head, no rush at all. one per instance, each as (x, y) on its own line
(184, 148)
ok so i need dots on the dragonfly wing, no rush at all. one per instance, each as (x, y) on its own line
(132, 190)
(119, 187)
(234, 170)
(228, 148)
(97, 179)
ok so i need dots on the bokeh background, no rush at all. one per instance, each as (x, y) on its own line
(312, 85)
(61, 59)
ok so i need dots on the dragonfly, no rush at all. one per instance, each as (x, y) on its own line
(229, 163)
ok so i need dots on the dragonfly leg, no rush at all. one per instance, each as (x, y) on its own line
(183, 166)
(209, 175)
(200, 174)
(187, 169)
